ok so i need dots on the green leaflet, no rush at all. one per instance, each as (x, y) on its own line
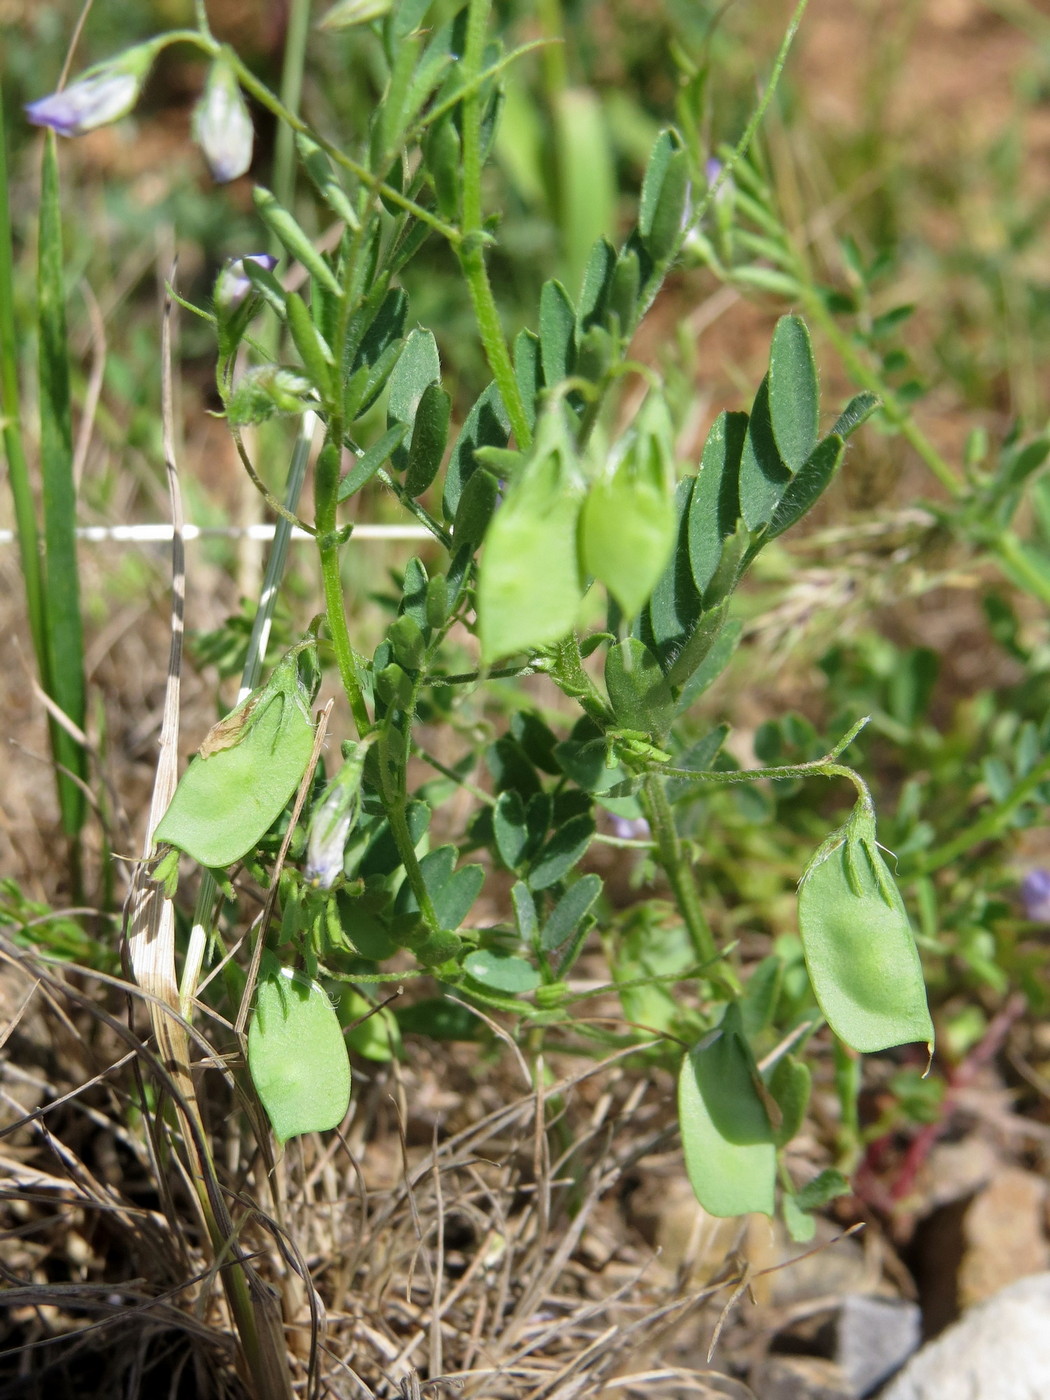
(501, 972)
(763, 475)
(859, 947)
(714, 509)
(570, 911)
(249, 766)
(284, 227)
(793, 394)
(557, 332)
(297, 1056)
(418, 367)
(429, 435)
(665, 194)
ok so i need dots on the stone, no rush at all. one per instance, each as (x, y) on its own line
(998, 1350)
(875, 1336)
(1003, 1235)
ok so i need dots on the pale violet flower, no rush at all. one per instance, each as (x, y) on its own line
(333, 819)
(629, 828)
(102, 94)
(222, 124)
(1035, 895)
(233, 283)
(713, 168)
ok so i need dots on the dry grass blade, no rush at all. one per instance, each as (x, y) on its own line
(150, 944)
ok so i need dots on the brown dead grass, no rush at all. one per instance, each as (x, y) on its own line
(495, 1256)
(460, 1223)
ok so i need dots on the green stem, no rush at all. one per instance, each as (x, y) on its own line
(326, 491)
(743, 145)
(671, 857)
(472, 261)
(825, 767)
(393, 769)
(339, 632)
(414, 508)
(396, 816)
(274, 105)
(479, 794)
(471, 247)
(10, 403)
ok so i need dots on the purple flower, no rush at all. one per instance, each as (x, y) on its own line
(233, 283)
(1035, 896)
(222, 124)
(713, 168)
(629, 828)
(103, 94)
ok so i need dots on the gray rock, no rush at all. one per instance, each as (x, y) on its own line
(875, 1336)
(998, 1350)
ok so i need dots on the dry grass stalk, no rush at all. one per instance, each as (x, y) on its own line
(489, 1255)
(150, 948)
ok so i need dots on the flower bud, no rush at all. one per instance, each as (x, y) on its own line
(102, 94)
(233, 284)
(333, 820)
(222, 124)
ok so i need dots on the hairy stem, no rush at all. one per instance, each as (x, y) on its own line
(671, 857)
(471, 248)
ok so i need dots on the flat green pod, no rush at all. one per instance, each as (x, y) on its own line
(248, 767)
(728, 1140)
(297, 1057)
(859, 949)
(628, 528)
(530, 586)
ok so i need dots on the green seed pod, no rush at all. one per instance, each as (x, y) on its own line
(297, 1056)
(859, 948)
(727, 1137)
(248, 767)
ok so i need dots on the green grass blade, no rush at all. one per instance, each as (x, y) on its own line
(18, 471)
(62, 585)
